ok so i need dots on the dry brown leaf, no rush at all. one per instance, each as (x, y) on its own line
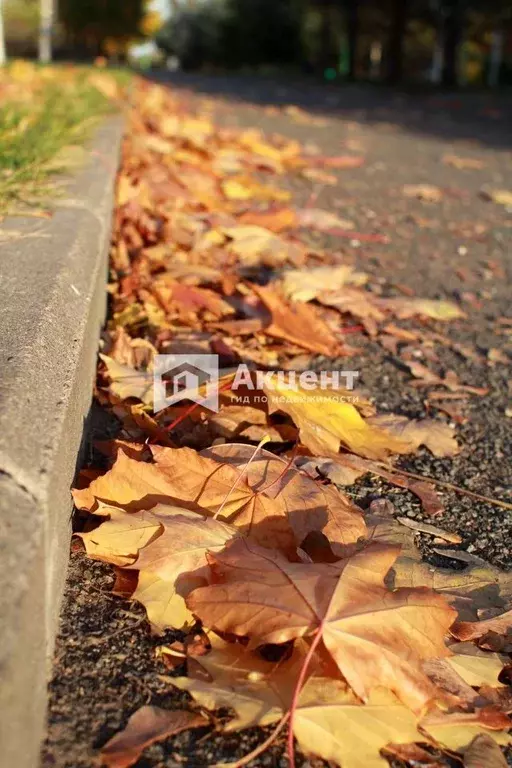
(463, 163)
(456, 730)
(414, 755)
(322, 221)
(202, 484)
(434, 435)
(437, 309)
(147, 725)
(376, 637)
(483, 752)
(320, 176)
(427, 192)
(258, 691)
(256, 245)
(309, 506)
(304, 285)
(358, 303)
(178, 554)
(188, 299)
(276, 220)
(119, 539)
(127, 382)
(297, 323)
(472, 630)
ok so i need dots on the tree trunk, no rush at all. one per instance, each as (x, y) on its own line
(45, 31)
(396, 41)
(3, 57)
(352, 20)
(452, 40)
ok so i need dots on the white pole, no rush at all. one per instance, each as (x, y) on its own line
(495, 59)
(3, 57)
(436, 67)
(45, 31)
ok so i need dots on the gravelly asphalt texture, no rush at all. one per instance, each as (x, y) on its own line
(458, 249)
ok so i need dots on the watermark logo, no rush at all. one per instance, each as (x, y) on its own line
(186, 377)
(196, 378)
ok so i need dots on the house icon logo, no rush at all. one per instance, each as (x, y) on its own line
(186, 377)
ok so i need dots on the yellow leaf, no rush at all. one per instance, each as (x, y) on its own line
(306, 284)
(126, 382)
(325, 421)
(500, 196)
(330, 723)
(477, 670)
(119, 538)
(164, 606)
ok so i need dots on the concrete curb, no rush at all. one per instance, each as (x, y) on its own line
(54, 299)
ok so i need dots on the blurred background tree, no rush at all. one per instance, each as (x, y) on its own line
(89, 24)
(448, 42)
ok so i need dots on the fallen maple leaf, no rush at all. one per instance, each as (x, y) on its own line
(356, 466)
(331, 723)
(309, 506)
(469, 630)
(456, 730)
(500, 196)
(427, 192)
(325, 420)
(256, 245)
(358, 303)
(304, 285)
(340, 162)
(483, 752)
(165, 607)
(127, 382)
(258, 691)
(277, 220)
(322, 221)
(463, 163)
(376, 637)
(297, 323)
(147, 725)
(196, 482)
(434, 435)
(119, 539)
(437, 309)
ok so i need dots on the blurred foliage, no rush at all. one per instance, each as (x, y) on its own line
(235, 33)
(387, 40)
(88, 24)
(21, 21)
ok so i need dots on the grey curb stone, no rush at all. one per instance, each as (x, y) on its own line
(53, 301)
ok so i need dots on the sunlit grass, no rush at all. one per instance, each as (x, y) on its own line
(44, 112)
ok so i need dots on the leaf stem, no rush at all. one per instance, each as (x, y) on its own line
(298, 688)
(262, 442)
(259, 749)
(285, 470)
(450, 487)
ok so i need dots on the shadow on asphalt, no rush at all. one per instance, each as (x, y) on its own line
(484, 117)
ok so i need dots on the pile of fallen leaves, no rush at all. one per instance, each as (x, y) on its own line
(296, 608)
